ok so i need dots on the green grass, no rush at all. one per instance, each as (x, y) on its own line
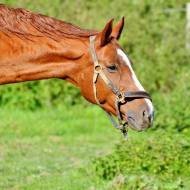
(60, 149)
(44, 149)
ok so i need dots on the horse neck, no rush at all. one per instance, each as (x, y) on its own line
(40, 58)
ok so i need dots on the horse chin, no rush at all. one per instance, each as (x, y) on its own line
(135, 126)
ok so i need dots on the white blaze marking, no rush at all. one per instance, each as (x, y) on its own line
(136, 81)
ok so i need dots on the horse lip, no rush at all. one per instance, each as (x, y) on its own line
(133, 125)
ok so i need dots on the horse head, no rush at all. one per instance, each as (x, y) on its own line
(110, 82)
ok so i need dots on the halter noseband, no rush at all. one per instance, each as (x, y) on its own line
(121, 97)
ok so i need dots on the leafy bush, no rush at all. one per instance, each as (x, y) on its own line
(149, 163)
(39, 94)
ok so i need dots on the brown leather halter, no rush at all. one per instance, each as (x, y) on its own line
(121, 97)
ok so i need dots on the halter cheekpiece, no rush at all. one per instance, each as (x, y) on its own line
(120, 97)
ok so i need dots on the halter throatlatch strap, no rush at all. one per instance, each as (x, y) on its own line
(121, 97)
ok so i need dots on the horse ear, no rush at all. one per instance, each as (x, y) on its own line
(105, 34)
(116, 32)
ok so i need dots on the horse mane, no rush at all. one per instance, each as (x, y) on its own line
(26, 24)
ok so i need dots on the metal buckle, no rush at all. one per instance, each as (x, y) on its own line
(97, 68)
(124, 130)
(121, 98)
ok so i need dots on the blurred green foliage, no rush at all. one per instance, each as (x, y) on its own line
(39, 94)
(154, 38)
(156, 163)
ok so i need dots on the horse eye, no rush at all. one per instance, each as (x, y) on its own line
(112, 68)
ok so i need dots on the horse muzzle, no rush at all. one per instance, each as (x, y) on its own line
(140, 120)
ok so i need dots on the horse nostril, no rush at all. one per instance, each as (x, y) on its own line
(148, 117)
(144, 113)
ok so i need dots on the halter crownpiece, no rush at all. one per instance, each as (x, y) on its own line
(121, 97)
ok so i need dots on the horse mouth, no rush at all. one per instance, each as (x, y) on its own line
(135, 126)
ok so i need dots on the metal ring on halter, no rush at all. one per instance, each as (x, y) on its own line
(98, 68)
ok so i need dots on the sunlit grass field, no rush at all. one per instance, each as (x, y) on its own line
(60, 149)
(45, 149)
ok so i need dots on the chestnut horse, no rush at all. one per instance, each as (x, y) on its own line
(35, 47)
